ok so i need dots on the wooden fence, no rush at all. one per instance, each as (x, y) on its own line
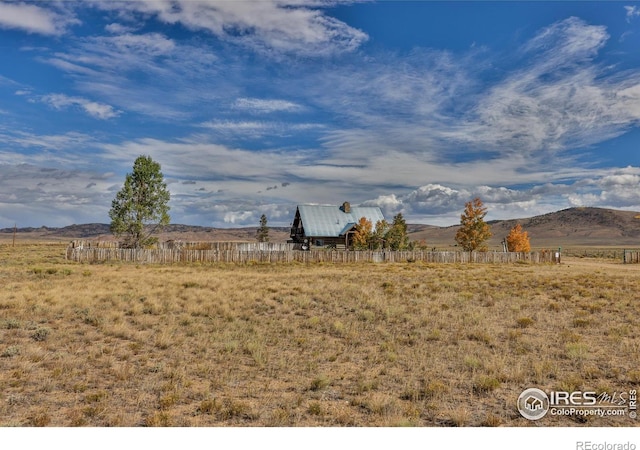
(226, 253)
(187, 245)
(631, 256)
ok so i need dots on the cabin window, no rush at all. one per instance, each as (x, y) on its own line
(319, 242)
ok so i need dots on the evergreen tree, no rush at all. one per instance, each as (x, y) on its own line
(396, 237)
(378, 237)
(141, 208)
(262, 234)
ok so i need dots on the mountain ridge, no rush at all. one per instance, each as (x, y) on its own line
(587, 226)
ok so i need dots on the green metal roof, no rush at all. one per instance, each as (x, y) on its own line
(332, 221)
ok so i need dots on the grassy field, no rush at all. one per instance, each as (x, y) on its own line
(295, 345)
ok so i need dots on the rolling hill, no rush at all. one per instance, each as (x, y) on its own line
(100, 231)
(591, 227)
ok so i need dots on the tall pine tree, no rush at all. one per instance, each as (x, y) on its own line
(141, 208)
(262, 235)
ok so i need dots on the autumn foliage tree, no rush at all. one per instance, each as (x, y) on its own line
(363, 234)
(473, 231)
(518, 240)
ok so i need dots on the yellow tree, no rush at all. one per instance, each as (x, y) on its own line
(363, 234)
(518, 240)
(473, 231)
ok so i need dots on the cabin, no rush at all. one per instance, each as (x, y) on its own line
(329, 226)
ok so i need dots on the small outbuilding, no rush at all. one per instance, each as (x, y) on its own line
(329, 226)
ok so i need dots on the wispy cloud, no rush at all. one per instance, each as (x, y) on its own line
(118, 28)
(252, 129)
(433, 108)
(264, 106)
(94, 109)
(112, 67)
(69, 140)
(561, 100)
(288, 26)
(4, 81)
(45, 150)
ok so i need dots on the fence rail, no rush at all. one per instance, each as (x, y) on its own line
(238, 253)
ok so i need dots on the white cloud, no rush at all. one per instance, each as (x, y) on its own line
(94, 109)
(268, 25)
(234, 217)
(34, 19)
(118, 28)
(442, 205)
(263, 106)
(632, 12)
(252, 129)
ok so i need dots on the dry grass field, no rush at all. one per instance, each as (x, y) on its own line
(308, 345)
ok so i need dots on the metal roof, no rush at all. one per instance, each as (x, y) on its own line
(332, 221)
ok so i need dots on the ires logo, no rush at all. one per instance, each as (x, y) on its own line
(576, 398)
(534, 403)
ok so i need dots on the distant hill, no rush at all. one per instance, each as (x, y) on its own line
(593, 227)
(100, 231)
(570, 227)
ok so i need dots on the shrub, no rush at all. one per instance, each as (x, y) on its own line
(315, 409)
(320, 382)
(524, 322)
(40, 334)
(10, 351)
(209, 406)
(486, 384)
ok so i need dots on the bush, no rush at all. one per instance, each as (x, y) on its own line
(40, 334)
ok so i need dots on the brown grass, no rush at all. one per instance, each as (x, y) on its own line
(297, 345)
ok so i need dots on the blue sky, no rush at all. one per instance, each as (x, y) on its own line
(254, 107)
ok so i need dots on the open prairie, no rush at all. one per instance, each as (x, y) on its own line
(308, 345)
